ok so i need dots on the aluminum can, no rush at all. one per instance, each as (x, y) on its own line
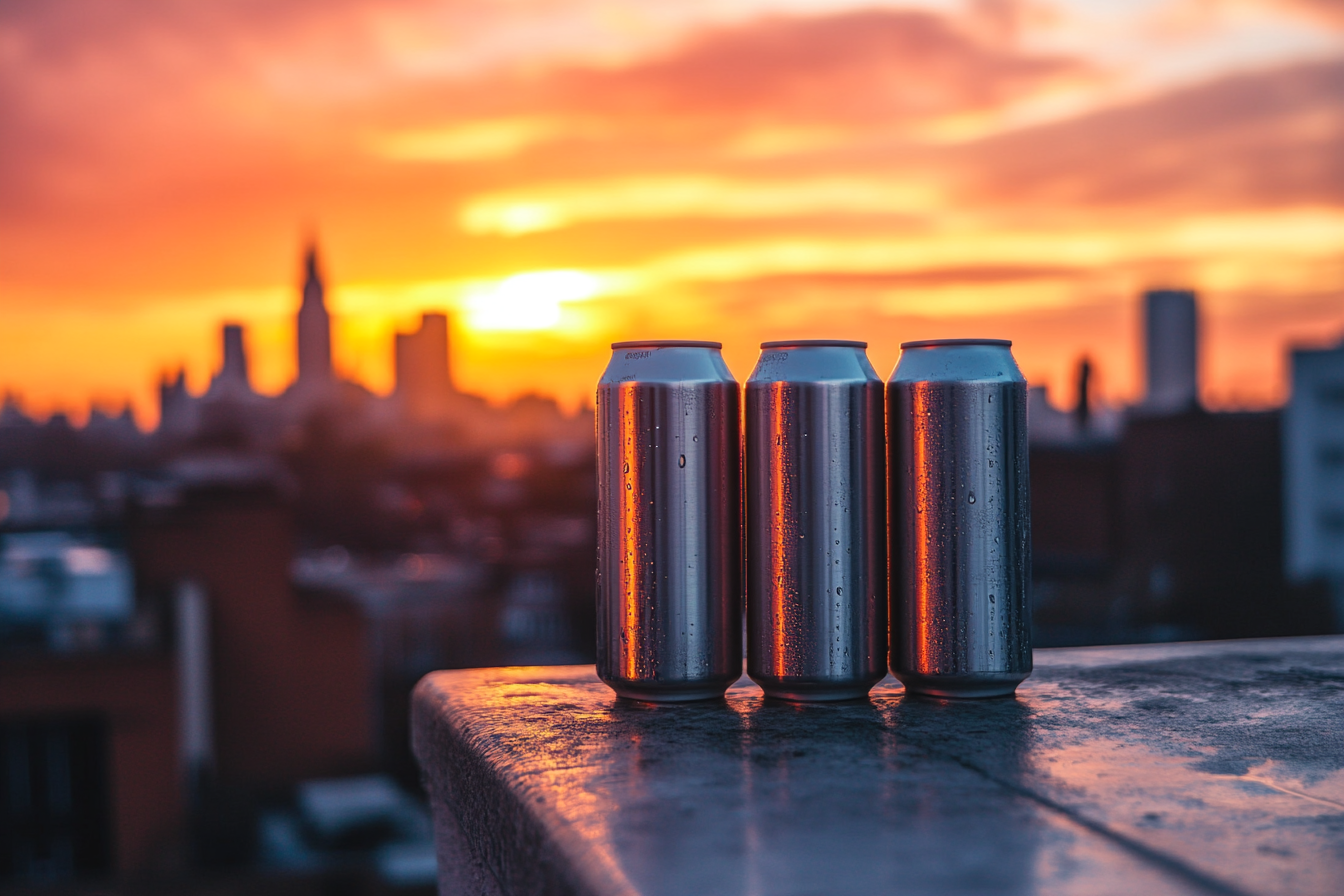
(960, 510)
(816, 522)
(669, 555)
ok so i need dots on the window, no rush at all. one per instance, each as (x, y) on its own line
(54, 817)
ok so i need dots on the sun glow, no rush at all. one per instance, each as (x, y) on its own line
(529, 301)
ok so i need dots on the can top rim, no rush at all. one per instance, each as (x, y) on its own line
(933, 343)
(814, 343)
(666, 343)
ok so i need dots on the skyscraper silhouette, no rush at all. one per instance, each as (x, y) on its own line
(424, 384)
(1171, 324)
(314, 330)
(233, 375)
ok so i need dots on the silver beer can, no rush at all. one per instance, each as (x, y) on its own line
(669, 598)
(960, 511)
(816, 522)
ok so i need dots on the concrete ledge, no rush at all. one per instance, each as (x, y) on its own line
(1187, 768)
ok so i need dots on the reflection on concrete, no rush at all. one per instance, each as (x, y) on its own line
(1163, 769)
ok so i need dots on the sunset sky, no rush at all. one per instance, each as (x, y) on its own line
(560, 174)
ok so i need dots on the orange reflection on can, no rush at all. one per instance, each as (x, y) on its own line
(631, 590)
(921, 414)
(780, 552)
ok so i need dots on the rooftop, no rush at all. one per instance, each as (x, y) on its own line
(1178, 768)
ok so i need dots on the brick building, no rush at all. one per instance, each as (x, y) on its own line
(97, 734)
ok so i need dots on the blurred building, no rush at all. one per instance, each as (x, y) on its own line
(181, 653)
(1169, 524)
(314, 329)
(424, 388)
(232, 380)
(1313, 470)
(1171, 351)
(159, 670)
(91, 782)
(1172, 532)
(291, 688)
(178, 412)
(1200, 527)
(88, 709)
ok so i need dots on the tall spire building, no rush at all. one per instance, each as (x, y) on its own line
(314, 327)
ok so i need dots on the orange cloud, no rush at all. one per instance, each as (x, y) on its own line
(899, 65)
(1266, 139)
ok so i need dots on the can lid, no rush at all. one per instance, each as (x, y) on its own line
(805, 343)
(666, 343)
(933, 343)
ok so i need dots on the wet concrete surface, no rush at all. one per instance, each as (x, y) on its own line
(1185, 768)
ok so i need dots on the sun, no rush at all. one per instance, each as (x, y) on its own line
(528, 301)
